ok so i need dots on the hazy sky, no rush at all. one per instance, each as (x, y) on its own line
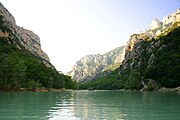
(71, 29)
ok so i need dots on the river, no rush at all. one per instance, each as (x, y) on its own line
(89, 105)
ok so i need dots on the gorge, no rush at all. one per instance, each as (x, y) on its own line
(138, 81)
(149, 61)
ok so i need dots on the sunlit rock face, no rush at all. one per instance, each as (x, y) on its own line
(27, 38)
(90, 65)
(155, 24)
(135, 47)
(131, 55)
(173, 17)
(166, 21)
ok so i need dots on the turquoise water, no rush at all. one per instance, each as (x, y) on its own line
(89, 105)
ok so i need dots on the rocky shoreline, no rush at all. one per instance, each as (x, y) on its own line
(163, 89)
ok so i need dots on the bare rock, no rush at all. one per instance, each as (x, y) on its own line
(27, 38)
(90, 65)
(155, 24)
(151, 59)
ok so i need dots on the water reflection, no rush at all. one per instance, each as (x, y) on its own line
(86, 105)
(25, 105)
(97, 105)
(29, 105)
(89, 105)
(116, 105)
(63, 108)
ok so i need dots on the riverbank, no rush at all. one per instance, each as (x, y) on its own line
(37, 90)
(162, 89)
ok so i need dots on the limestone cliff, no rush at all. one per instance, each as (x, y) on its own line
(25, 37)
(152, 57)
(151, 60)
(90, 65)
(136, 48)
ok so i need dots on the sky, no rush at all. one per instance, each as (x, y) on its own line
(71, 29)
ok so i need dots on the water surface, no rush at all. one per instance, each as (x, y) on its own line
(89, 105)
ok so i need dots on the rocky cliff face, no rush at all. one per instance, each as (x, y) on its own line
(151, 61)
(88, 66)
(136, 46)
(26, 38)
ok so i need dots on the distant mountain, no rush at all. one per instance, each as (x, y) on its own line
(90, 65)
(152, 59)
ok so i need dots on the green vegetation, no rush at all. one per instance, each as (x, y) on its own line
(109, 82)
(114, 81)
(19, 68)
(111, 67)
(166, 67)
(164, 71)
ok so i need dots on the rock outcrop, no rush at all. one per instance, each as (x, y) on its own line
(25, 37)
(151, 55)
(136, 47)
(90, 65)
(155, 24)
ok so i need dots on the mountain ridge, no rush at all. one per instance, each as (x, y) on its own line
(154, 31)
(151, 59)
(90, 65)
